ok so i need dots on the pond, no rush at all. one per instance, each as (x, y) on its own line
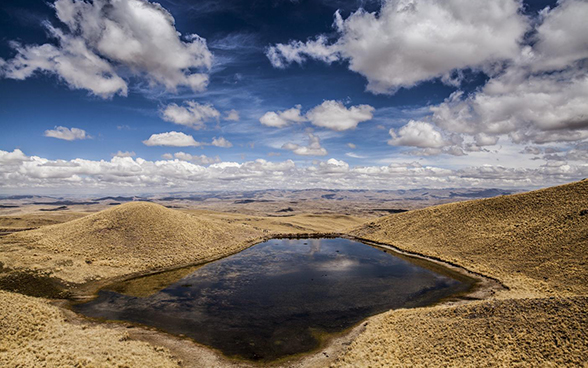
(279, 298)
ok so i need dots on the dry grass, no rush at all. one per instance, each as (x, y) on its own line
(30, 221)
(142, 237)
(36, 334)
(536, 243)
(538, 332)
(134, 237)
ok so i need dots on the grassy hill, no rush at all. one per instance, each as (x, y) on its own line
(137, 236)
(535, 242)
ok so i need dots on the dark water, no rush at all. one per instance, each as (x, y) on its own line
(280, 297)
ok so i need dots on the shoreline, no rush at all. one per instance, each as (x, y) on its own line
(329, 348)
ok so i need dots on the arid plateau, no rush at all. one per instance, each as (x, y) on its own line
(529, 252)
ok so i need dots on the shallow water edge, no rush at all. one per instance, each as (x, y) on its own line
(148, 285)
(482, 288)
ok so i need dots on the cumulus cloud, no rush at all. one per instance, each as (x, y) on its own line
(15, 157)
(192, 114)
(410, 41)
(417, 134)
(221, 142)
(332, 166)
(196, 159)
(330, 114)
(172, 139)
(179, 139)
(313, 149)
(124, 154)
(334, 115)
(282, 119)
(103, 39)
(232, 115)
(68, 134)
(540, 97)
(562, 37)
(21, 172)
(538, 108)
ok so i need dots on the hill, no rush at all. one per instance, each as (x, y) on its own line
(134, 237)
(535, 242)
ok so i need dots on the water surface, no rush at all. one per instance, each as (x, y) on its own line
(281, 297)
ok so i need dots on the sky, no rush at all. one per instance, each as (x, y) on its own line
(122, 96)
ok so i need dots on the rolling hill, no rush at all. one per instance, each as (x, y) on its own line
(133, 237)
(535, 242)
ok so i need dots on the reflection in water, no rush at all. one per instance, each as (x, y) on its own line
(280, 297)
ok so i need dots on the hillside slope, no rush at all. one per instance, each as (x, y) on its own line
(137, 236)
(36, 334)
(535, 242)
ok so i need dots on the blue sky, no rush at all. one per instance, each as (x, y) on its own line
(393, 94)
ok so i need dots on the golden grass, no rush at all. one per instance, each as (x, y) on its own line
(134, 237)
(536, 243)
(142, 237)
(539, 332)
(36, 334)
(36, 220)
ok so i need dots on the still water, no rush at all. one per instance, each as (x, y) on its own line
(281, 297)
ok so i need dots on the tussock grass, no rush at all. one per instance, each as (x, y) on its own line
(133, 237)
(537, 332)
(535, 243)
(36, 334)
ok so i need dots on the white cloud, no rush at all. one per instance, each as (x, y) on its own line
(172, 139)
(19, 172)
(179, 139)
(68, 134)
(351, 145)
(281, 55)
(540, 97)
(536, 108)
(410, 41)
(332, 166)
(124, 154)
(483, 139)
(313, 149)
(105, 38)
(354, 155)
(221, 142)
(196, 159)
(232, 115)
(562, 37)
(15, 157)
(334, 115)
(282, 119)
(417, 134)
(193, 114)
